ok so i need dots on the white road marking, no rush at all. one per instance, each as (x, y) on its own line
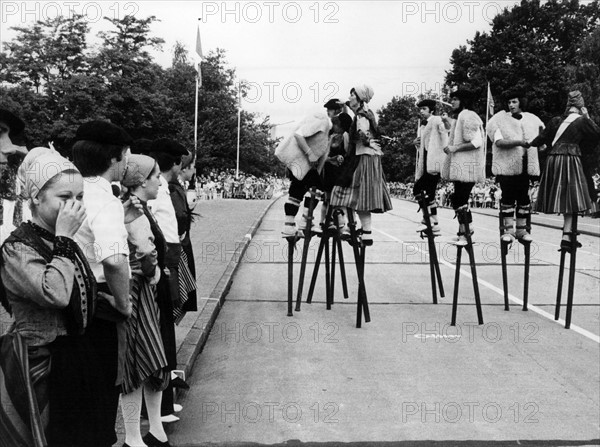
(500, 292)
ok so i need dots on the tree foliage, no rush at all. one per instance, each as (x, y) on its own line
(55, 82)
(533, 47)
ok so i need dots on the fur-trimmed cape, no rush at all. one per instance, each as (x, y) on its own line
(510, 161)
(466, 166)
(434, 137)
(315, 128)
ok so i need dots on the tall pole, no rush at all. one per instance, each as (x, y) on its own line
(237, 165)
(196, 118)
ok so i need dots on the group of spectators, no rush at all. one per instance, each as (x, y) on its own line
(96, 268)
(224, 185)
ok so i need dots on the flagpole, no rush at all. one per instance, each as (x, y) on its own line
(196, 118)
(198, 84)
(237, 165)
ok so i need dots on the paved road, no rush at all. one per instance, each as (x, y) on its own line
(407, 375)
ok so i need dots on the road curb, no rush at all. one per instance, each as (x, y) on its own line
(196, 338)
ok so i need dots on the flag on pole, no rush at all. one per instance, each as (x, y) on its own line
(489, 112)
(490, 103)
(200, 56)
(199, 45)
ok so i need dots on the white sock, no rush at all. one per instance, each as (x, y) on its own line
(131, 407)
(365, 220)
(153, 400)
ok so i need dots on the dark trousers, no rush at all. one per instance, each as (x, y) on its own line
(428, 183)
(515, 188)
(300, 187)
(461, 194)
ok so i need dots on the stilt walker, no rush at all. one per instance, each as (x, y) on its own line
(513, 163)
(465, 166)
(566, 186)
(361, 187)
(301, 152)
(432, 138)
(337, 147)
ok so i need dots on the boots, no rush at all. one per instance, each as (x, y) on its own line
(507, 219)
(432, 209)
(464, 217)
(524, 223)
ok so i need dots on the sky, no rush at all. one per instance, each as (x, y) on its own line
(295, 56)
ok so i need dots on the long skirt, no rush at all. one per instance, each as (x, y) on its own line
(145, 359)
(563, 186)
(187, 287)
(368, 190)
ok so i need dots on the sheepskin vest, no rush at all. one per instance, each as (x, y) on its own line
(434, 138)
(466, 166)
(510, 161)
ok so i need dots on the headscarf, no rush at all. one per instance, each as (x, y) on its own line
(364, 92)
(39, 166)
(139, 168)
(575, 99)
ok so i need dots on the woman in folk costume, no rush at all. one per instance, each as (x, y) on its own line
(145, 372)
(12, 151)
(432, 138)
(187, 268)
(168, 154)
(514, 162)
(48, 368)
(362, 187)
(302, 152)
(566, 185)
(465, 164)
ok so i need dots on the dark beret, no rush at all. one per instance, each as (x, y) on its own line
(428, 103)
(103, 132)
(333, 104)
(462, 94)
(141, 146)
(167, 146)
(13, 121)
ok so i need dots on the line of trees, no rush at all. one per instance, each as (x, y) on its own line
(544, 49)
(55, 81)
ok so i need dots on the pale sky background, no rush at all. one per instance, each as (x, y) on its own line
(308, 51)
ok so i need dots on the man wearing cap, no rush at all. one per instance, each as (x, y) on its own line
(334, 107)
(11, 155)
(465, 164)
(100, 153)
(168, 154)
(513, 162)
(432, 138)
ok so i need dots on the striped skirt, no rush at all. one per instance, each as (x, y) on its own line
(145, 359)
(368, 190)
(563, 186)
(187, 284)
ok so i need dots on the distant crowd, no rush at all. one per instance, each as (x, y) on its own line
(224, 185)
